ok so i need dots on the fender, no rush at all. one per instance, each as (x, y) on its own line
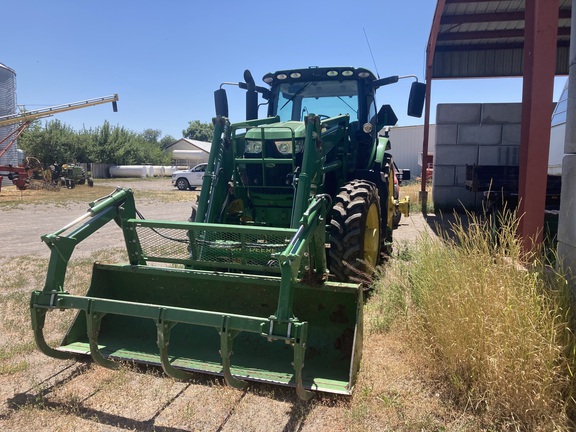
(382, 146)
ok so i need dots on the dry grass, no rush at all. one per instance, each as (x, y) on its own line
(496, 330)
(11, 197)
(412, 191)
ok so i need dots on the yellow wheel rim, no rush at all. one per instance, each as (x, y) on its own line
(391, 202)
(372, 236)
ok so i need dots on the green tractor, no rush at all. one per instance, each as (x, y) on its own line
(70, 175)
(294, 207)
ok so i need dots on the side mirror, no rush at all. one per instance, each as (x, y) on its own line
(251, 105)
(416, 99)
(250, 84)
(221, 102)
(251, 96)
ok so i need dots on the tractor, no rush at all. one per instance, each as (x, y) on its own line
(70, 175)
(262, 285)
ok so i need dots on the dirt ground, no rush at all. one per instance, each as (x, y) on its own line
(37, 392)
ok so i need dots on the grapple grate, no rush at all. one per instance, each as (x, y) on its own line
(164, 242)
(200, 245)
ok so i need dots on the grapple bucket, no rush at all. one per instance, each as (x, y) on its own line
(218, 312)
(201, 305)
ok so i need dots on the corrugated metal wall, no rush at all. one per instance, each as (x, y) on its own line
(406, 142)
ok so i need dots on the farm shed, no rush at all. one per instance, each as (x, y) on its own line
(189, 152)
(528, 39)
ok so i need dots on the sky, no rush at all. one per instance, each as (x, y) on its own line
(164, 59)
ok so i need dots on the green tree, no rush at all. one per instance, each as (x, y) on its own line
(57, 142)
(199, 131)
(151, 135)
(166, 141)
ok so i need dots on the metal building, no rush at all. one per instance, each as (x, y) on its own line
(7, 107)
(406, 142)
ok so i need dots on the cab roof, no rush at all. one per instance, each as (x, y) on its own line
(318, 74)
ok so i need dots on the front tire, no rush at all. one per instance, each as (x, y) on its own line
(396, 219)
(182, 184)
(355, 231)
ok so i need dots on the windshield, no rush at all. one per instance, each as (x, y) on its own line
(324, 98)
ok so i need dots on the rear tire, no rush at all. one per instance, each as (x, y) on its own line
(355, 231)
(182, 184)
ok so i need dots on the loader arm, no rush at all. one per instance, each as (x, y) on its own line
(117, 206)
(62, 244)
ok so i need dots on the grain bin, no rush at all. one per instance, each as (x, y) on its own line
(7, 107)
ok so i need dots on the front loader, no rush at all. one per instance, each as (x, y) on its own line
(261, 286)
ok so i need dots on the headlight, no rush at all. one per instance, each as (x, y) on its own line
(253, 146)
(285, 147)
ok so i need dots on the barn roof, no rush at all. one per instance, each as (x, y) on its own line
(485, 38)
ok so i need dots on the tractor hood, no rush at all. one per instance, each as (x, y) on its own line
(276, 131)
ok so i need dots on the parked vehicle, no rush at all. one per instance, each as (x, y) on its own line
(189, 179)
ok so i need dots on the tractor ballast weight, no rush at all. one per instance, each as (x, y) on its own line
(261, 285)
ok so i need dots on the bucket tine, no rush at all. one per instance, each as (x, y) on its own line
(164, 329)
(299, 350)
(38, 319)
(225, 351)
(93, 320)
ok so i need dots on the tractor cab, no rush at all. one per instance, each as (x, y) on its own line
(269, 154)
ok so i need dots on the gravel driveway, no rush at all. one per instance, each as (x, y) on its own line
(22, 227)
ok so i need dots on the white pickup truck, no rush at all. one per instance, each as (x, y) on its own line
(189, 179)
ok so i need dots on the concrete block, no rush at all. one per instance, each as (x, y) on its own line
(460, 177)
(511, 134)
(480, 134)
(446, 134)
(447, 198)
(567, 262)
(458, 113)
(509, 155)
(567, 220)
(498, 155)
(443, 176)
(569, 138)
(455, 155)
(501, 113)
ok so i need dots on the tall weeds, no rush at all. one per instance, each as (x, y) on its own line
(496, 327)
